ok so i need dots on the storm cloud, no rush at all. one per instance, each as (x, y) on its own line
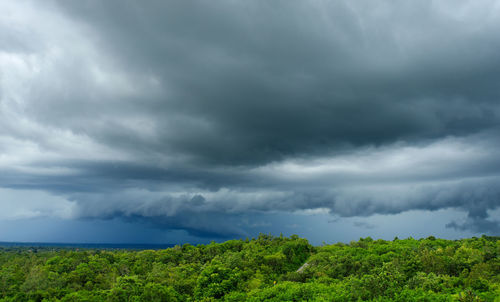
(196, 116)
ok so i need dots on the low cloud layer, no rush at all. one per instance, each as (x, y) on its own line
(196, 116)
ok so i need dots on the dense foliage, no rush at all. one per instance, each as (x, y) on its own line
(262, 269)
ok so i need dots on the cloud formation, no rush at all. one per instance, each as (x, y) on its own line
(192, 115)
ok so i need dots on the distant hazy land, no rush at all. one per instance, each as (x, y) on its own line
(103, 246)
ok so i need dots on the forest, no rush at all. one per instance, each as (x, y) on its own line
(267, 268)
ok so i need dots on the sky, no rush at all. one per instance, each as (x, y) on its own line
(192, 121)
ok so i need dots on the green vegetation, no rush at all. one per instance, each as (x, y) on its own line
(262, 269)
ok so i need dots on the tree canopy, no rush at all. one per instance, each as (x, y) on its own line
(260, 269)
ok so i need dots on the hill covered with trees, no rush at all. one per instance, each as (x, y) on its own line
(267, 268)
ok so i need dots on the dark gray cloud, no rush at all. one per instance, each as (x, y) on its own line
(193, 115)
(248, 84)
